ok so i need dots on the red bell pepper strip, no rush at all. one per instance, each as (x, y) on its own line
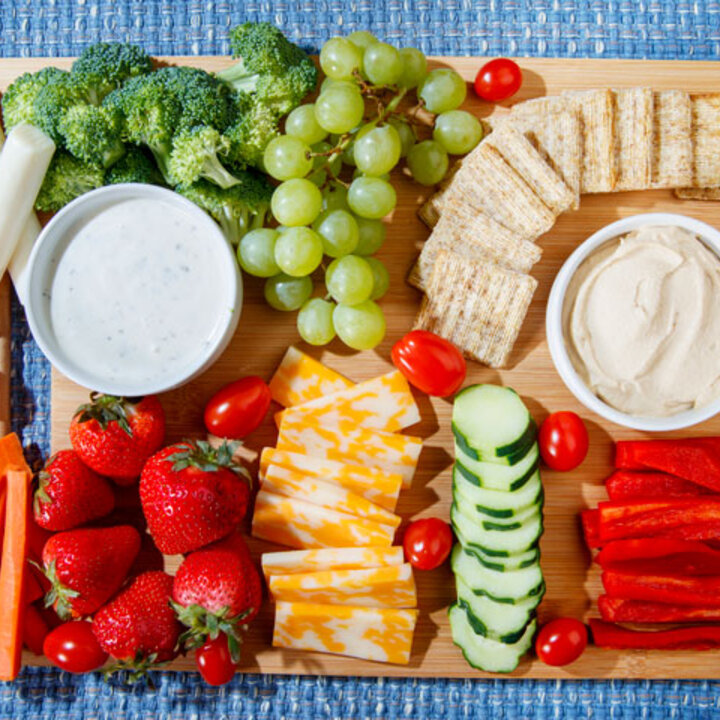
(703, 591)
(640, 611)
(694, 459)
(697, 637)
(659, 556)
(590, 525)
(634, 485)
(35, 630)
(638, 518)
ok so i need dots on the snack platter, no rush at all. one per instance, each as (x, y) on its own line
(263, 336)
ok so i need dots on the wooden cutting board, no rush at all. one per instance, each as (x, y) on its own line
(263, 335)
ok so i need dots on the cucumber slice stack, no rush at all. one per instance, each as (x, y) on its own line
(497, 517)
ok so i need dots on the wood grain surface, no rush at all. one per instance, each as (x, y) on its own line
(263, 335)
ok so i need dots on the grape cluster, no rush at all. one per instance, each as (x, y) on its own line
(356, 122)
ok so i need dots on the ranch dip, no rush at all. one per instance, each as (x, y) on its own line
(642, 322)
(136, 296)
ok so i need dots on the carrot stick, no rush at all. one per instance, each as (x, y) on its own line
(11, 453)
(12, 571)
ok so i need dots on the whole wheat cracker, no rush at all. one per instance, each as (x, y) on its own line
(634, 138)
(706, 140)
(672, 165)
(690, 193)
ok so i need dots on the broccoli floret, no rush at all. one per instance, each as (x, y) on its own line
(238, 209)
(93, 134)
(67, 178)
(195, 155)
(103, 67)
(270, 66)
(53, 101)
(250, 134)
(18, 101)
(134, 167)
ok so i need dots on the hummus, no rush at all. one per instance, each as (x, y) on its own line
(641, 321)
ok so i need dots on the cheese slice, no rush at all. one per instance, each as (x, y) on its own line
(291, 483)
(300, 378)
(377, 486)
(384, 403)
(311, 561)
(390, 586)
(299, 524)
(390, 452)
(381, 634)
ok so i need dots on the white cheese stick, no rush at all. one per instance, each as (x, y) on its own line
(18, 263)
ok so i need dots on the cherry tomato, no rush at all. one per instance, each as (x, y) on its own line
(238, 408)
(498, 80)
(563, 440)
(427, 543)
(430, 363)
(72, 646)
(561, 641)
(214, 661)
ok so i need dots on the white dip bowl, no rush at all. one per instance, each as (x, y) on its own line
(132, 290)
(555, 332)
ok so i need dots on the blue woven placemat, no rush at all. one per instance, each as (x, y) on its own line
(568, 28)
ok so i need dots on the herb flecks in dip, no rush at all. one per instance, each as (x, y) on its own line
(642, 322)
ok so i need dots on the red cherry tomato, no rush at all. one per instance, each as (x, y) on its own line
(430, 363)
(563, 440)
(238, 408)
(214, 661)
(427, 543)
(73, 647)
(561, 641)
(498, 80)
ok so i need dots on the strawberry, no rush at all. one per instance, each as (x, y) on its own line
(115, 436)
(192, 494)
(217, 590)
(87, 566)
(70, 494)
(138, 627)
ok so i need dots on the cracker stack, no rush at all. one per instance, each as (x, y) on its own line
(539, 159)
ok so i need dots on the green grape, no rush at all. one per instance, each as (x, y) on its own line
(362, 39)
(339, 109)
(349, 279)
(405, 133)
(335, 198)
(414, 67)
(256, 252)
(339, 58)
(371, 236)
(328, 82)
(301, 123)
(381, 278)
(361, 327)
(287, 157)
(428, 162)
(339, 232)
(298, 251)
(318, 177)
(333, 162)
(442, 90)
(378, 150)
(315, 322)
(457, 131)
(371, 197)
(296, 202)
(383, 64)
(287, 293)
(357, 173)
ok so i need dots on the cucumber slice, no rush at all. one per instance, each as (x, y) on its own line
(493, 503)
(497, 543)
(492, 424)
(504, 586)
(503, 478)
(499, 524)
(513, 562)
(498, 621)
(484, 653)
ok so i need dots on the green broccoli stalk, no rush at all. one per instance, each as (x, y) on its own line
(18, 101)
(134, 167)
(103, 67)
(250, 134)
(237, 209)
(67, 178)
(93, 134)
(195, 154)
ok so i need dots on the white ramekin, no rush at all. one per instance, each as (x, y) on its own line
(554, 327)
(60, 230)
